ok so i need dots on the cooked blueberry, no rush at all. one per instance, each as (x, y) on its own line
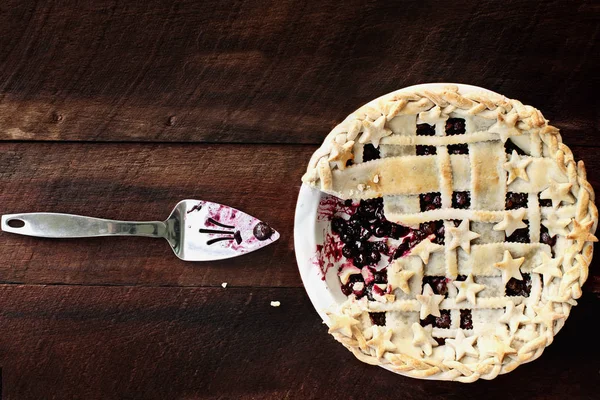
(370, 153)
(380, 276)
(466, 320)
(348, 203)
(455, 126)
(380, 247)
(262, 231)
(360, 246)
(382, 230)
(337, 224)
(546, 238)
(373, 257)
(348, 251)
(360, 259)
(440, 340)
(345, 237)
(516, 200)
(347, 288)
(516, 287)
(377, 318)
(364, 235)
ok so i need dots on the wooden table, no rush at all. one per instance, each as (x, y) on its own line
(120, 109)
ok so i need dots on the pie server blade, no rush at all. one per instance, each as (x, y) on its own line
(196, 230)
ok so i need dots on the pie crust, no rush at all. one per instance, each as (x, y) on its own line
(476, 259)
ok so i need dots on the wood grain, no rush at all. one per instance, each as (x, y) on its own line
(278, 71)
(143, 182)
(62, 342)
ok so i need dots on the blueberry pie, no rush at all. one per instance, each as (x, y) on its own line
(461, 232)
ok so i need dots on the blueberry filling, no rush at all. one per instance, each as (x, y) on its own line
(455, 126)
(423, 150)
(458, 148)
(516, 287)
(377, 318)
(466, 320)
(545, 202)
(425, 130)
(363, 237)
(546, 238)
(461, 200)
(520, 235)
(430, 201)
(439, 284)
(370, 153)
(515, 200)
(443, 321)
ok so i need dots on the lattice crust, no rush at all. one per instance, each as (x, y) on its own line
(476, 260)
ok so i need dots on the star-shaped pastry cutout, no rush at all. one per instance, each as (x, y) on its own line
(505, 126)
(581, 233)
(399, 278)
(558, 192)
(511, 222)
(374, 131)
(430, 303)
(381, 341)
(516, 167)
(513, 316)
(546, 315)
(497, 347)
(462, 236)
(510, 267)
(341, 153)
(468, 289)
(342, 324)
(463, 345)
(549, 268)
(424, 249)
(422, 338)
(555, 225)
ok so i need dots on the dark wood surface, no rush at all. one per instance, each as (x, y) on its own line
(121, 109)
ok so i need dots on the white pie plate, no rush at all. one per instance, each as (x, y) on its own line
(308, 232)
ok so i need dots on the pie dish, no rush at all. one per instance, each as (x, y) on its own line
(454, 231)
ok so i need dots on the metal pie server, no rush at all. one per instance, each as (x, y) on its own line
(196, 230)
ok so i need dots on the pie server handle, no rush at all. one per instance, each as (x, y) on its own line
(53, 225)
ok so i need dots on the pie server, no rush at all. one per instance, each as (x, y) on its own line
(196, 230)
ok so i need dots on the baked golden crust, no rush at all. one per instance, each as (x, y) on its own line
(508, 330)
